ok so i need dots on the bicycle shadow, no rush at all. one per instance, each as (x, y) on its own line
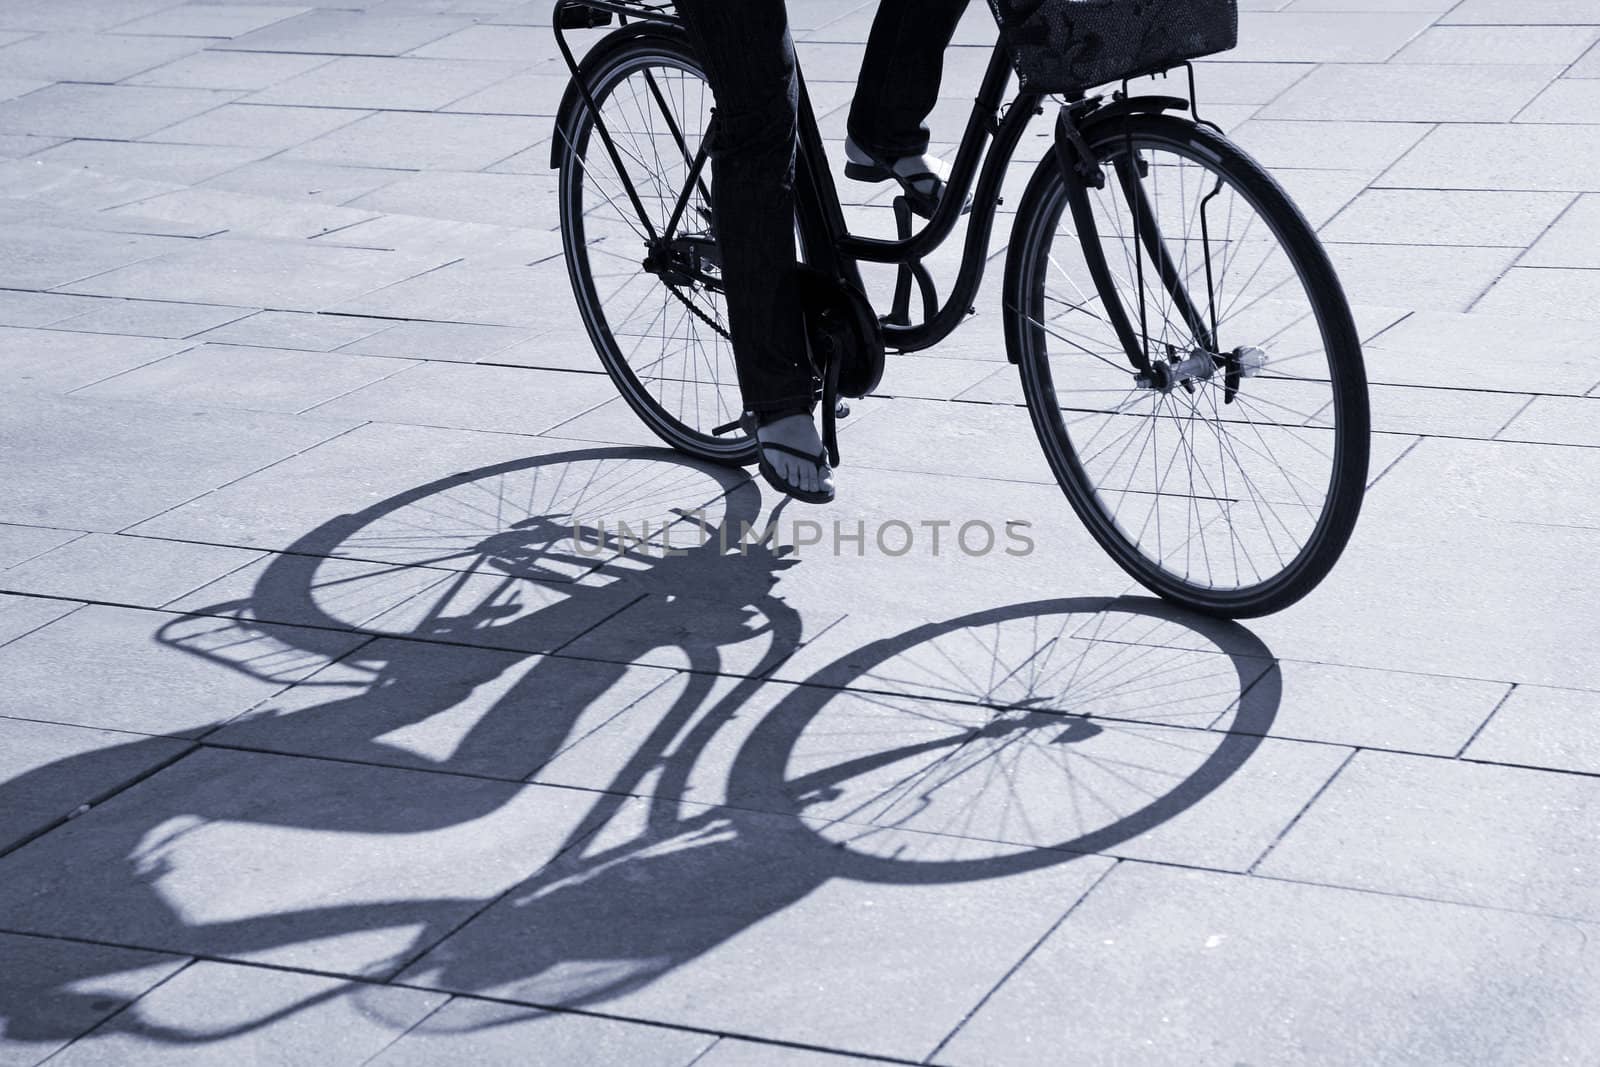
(844, 778)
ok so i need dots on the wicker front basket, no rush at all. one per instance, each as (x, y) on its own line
(1067, 46)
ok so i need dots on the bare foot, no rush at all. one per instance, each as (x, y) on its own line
(797, 432)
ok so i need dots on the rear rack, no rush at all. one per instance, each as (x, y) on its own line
(580, 14)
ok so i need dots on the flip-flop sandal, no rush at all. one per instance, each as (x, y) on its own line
(923, 186)
(806, 496)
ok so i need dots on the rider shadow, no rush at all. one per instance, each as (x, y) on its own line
(823, 782)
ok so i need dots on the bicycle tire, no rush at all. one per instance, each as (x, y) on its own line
(1139, 140)
(583, 154)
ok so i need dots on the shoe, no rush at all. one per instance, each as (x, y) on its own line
(922, 177)
(749, 423)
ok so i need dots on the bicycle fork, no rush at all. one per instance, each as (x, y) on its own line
(1083, 171)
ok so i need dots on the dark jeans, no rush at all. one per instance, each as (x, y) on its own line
(750, 64)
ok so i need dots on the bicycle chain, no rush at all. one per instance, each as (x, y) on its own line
(698, 312)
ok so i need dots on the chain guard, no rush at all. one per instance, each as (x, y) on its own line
(841, 326)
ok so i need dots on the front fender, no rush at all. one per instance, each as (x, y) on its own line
(601, 54)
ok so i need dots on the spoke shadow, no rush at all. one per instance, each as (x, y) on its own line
(1004, 741)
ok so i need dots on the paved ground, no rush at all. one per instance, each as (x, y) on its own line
(319, 748)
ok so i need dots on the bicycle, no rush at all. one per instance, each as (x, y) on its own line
(1226, 478)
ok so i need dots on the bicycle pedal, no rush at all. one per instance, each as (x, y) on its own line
(727, 427)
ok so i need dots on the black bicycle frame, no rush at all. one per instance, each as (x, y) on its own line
(987, 146)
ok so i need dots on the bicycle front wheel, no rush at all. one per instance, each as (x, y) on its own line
(660, 328)
(1226, 474)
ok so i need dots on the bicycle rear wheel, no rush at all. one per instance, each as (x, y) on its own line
(1228, 477)
(661, 330)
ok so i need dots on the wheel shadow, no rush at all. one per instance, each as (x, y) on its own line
(1004, 741)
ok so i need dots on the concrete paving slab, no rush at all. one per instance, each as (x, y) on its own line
(1441, 412)
(1556, 420)
(102, 465)
(140, 571)
(501, 399)
(525, 46)
(240, 71)
(1428, 278)
(1440, 217)
(1326, 37)
(868, 984)
(76, 14)
(1558, 158)
(357, 889)
(1569, 242)
(1513, 13)
(1384, 825)
(1539, 727)
(308, 332)
(182, 164)
(219, 1012)
(217, 377)
(243, 215)
(1557, 291)
(56, 991)
(1518, 352)
(90, 57)
(1565, 101)
(536, 93)
(732, 1052)
(155, 673)
(114, 112)
(383, 84)
(347, 33)
(444, 708)
(1329, 145)
(424, 142)
(300, 181)
(53, 771)
(230, 20)
(1161, 962)
(40, 257)
(471, 197)
(447, 342)
(1498, 44)
(282, 275)
(463, 292)
(1430, 714)
(60, 360)
(152, 318)
(501, 1035)
(18, 544)
(1413, 93)
(27, 308)
(257, 125)
(22, 615)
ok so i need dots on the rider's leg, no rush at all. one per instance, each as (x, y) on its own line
(749, 61)
(899, 82)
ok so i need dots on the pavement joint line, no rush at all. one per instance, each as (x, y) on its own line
(261, 555)
(1023, 959)
(1292, 823)
(411, 364)
(98, 799)
(1462, 751)
(567, 655)
(233, 481)
(1394, 463)
(129, 370)
(190, 962)
(392, 983)
(1504, 426)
